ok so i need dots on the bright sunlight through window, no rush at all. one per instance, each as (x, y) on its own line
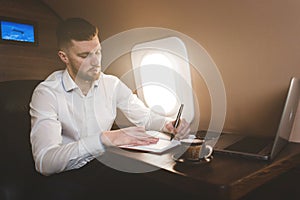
(162, 76)
(156, 95)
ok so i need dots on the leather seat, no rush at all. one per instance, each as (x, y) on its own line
(18, 178)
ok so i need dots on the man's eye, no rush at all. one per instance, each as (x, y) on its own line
(83, 55)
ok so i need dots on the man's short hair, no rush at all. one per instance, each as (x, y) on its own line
(77, 29)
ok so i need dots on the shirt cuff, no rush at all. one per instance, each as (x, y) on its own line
(91, 145)
(157, 122)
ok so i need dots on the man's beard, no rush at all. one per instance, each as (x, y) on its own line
(90, 75)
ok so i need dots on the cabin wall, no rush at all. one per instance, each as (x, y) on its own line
(254, 43)
(30, 62)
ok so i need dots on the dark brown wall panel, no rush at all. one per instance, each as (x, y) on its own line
(30, 62)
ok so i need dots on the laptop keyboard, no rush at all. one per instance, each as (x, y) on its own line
(249, 145)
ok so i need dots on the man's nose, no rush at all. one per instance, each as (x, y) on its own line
(96, 60)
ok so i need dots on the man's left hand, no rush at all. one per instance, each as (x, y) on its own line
(181, 131)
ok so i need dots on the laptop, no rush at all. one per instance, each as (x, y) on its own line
(258, 147)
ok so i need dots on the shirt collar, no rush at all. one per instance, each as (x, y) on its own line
(68, 82)
(70, 85)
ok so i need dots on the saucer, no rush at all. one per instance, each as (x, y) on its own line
(182, 159)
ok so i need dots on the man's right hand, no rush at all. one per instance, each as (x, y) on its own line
(127, 136)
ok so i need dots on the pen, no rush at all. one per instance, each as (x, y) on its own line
(176, 123)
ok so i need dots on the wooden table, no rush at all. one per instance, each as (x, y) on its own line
(225, 177)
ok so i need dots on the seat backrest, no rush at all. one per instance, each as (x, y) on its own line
(15, 125)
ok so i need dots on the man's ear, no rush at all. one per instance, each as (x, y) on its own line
(63, 56)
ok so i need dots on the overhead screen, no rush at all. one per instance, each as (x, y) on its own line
(18, 31)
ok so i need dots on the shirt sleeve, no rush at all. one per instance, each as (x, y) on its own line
(49, 152)
(136, 111)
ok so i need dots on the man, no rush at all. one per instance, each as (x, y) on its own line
(73, 110)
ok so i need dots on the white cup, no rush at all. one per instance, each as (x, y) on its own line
(196, 149)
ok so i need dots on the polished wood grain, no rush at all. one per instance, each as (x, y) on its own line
(225, 177)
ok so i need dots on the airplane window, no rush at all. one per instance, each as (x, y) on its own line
(162, 76)
(158, 96)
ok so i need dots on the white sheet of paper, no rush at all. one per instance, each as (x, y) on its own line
(162, 145)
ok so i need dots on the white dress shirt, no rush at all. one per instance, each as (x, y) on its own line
(66, 125)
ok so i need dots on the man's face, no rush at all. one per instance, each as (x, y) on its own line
(83, 59)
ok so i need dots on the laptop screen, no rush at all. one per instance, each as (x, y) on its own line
(287, 117)
(258, 147)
